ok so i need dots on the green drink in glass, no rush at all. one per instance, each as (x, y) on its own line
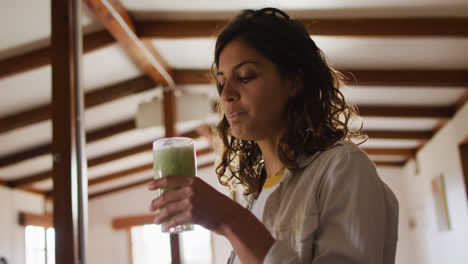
(174, 157)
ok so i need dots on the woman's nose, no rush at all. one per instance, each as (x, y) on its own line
(229, 92)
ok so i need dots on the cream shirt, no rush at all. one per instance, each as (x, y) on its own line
(334, 209)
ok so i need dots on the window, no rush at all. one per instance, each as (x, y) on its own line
(150, 245)
(40, 245)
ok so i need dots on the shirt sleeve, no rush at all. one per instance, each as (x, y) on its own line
(352, 213)
(352, 219)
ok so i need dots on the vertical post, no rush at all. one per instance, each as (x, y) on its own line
(69, 162)
(170, 116)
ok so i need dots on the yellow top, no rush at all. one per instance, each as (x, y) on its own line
(273, 180)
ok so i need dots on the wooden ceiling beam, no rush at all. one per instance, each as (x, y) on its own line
(407, 111)
(390, 151)
(138, 183)
(45, 149)
(118, 22)
(406, 78)
(365, 78)
(92, 98)
(355, 27)
(390, 163)
(24, 181)
(415, 135)
(41, 57)
(135, 170)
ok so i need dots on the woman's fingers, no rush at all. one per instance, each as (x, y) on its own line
(172, 209)
(180, 219)
(169, 197)
(170, 182)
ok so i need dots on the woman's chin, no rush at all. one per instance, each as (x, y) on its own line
(241, 135)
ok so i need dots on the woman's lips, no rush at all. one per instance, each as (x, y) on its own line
(235, 115)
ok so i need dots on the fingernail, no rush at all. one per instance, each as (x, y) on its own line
(152, 185)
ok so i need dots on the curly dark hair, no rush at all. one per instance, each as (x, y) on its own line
(316, 118)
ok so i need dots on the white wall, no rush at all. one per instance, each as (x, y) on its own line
(109, 246)
(11, 233)
(439, 156)
(395, 177)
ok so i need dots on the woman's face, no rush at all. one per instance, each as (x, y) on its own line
(253, 94)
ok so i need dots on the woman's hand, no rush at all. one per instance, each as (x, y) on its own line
(191, 201)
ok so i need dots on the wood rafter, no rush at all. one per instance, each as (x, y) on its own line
(93, 98)
(134, 184)
(118, 22)
(369, 27)
(133, 171)
(141, 182)
(28, 180)
(415, 135)
(390, 151)
(45, 149)
(41, 57)
(389, 163)
(394, 78)
(407, 111)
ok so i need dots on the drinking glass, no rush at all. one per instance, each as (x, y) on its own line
(174, 156)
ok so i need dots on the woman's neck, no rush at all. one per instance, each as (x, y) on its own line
(273, 164)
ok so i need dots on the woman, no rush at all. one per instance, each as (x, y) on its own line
(313, 196)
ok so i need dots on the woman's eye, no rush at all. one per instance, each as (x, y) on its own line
(246, 79)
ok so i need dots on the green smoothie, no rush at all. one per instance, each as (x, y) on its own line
(174, 161)
(174, 157)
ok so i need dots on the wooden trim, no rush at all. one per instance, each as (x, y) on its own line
(390, 163)
(126, 222)
(390, 151)
(383, 134)
(44, 220)
(116, 19)
(41, 57)
(93, 98)
(407, 111)
(369, 27)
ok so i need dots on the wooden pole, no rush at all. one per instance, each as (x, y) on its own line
(69, 169)
(170, 121)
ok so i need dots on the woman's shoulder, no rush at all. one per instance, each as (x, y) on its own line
(343, 150)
